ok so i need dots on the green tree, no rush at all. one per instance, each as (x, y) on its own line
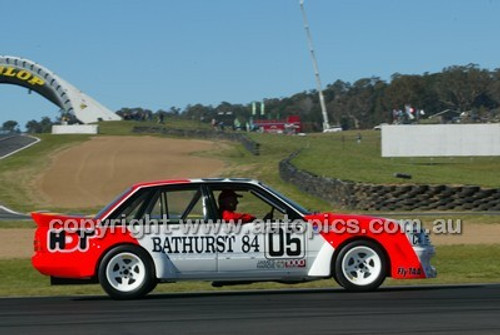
(33, 127)
(494, 88)
(459, 87)
(405, 89)
(46, 125)
(43, 126)
(10, 126)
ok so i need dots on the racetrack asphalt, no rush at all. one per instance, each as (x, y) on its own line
(465, 309)
(7, 214)
(14, 143)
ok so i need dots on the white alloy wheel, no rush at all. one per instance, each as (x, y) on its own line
(126, 272)
(361, 265)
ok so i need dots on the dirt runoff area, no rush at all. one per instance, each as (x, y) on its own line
(18, 243)
(92, 173)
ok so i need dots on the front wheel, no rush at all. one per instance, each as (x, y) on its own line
(126, 272)
(360, 266)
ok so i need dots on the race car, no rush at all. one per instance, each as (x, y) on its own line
(175, 230)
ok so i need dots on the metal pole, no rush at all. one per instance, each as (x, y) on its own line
(326, 125)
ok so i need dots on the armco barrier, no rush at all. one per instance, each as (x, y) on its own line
(249, 144)
(364, 196)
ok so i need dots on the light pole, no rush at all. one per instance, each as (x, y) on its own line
(326, 125)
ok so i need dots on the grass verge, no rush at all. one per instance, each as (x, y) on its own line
(455, 264)
(339, 155)
(23, 224)
(18, 172)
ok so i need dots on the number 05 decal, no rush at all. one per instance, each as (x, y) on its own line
(284, 243)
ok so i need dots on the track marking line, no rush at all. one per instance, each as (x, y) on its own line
(25, 147)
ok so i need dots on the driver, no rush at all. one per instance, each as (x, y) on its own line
(228, 201)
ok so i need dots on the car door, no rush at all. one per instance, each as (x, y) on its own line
(175, 233)
(261, 250)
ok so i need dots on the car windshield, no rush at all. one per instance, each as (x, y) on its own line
(105, 209)
(290, 202)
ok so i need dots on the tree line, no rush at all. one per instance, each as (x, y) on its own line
(363, 104)
(371, 101)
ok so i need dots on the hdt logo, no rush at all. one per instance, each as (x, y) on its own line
(60, 240)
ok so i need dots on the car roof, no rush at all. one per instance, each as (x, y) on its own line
(194, 180)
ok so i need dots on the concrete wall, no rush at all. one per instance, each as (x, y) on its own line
(75, 129)
(441, 140)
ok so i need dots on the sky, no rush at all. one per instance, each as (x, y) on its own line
(163, 53)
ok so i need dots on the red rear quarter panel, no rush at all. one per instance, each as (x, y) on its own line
(71, 247)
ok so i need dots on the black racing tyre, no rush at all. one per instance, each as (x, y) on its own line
(446, 193)
(153, 285)
(127, 272)
(468, 205)
(360, 266)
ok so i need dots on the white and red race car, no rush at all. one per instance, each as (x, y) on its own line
(169, 231)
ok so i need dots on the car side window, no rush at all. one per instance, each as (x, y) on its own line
(133, 207)
(159, 208)
(254, 203)
(185, 204)
(248, 201)
(177, 204)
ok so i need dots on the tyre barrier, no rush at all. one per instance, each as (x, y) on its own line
(364, 196)
(250, 145)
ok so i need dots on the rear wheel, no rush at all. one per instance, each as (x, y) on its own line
(126, 272)
(360, 266)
